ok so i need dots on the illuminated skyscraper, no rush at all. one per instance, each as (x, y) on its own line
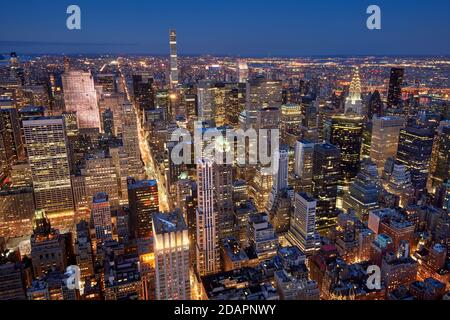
(143, 202)
(100, 175)
(304, 155)
(354, 102)
(262, 94)
(345, 132)
(414, 151)
(130, 141)
(171, 256)
(101, 215)
(385, 137)
(326, 177)
(46, 143)
(364, 191)
(395, 87)
(280, 180)
(224, 199)
(208, 249)
(11, 146)
(440, 159)
(80, 96)
(303, 224)
(16, 212)
(243, 72)
(173, 59)
(280, 177)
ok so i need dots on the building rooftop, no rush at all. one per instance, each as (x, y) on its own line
(142, 184)
(171, 222)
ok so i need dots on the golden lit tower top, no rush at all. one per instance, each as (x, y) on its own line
(354, 101)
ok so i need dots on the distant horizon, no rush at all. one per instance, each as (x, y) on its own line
(190, 55)
(283, 28)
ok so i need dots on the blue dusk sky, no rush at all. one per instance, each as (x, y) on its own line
(228, 27)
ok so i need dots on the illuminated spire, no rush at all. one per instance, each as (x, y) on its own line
(354, 100)
(355, 86)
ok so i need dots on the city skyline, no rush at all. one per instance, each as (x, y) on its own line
(222, 178)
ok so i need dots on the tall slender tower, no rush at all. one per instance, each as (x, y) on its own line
(173, 59)
(208, 250)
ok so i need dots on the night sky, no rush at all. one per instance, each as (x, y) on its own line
(228, 27)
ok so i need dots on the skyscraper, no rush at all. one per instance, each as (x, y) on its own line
(80, 97)
(304, 155)
(303, 224)
(46, 143)
(144, 92)
(280, 180)
(262, 94)
(11, 145)
(171, 256)
(414, 150)
(385, 137)
(143, 201)
(354, 103)
(101, 215)
(173, 59)
(243, 73)
(326, 177)
(224, 199)
(345, 132)
(440, 159)
(395, 87)
(208, 249)
(364, 191)
(376, 106)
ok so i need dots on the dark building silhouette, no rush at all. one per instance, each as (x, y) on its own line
(395, 87)
(375, 106)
